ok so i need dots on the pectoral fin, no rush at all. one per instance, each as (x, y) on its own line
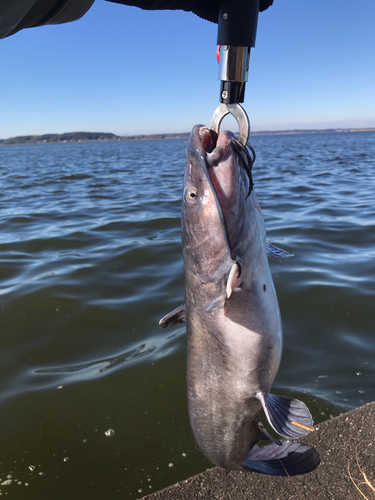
(178, 315)
(287, 416)
(234, 279)
(273, 251)
(287, 459)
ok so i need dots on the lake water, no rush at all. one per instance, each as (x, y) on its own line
(92, 391)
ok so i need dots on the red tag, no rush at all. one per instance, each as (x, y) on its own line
(218, 54)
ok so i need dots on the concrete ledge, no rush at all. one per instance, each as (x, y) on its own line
(346, 446)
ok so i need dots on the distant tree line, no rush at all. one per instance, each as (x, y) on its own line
(103, 136)
(68, 137)
(85, 137)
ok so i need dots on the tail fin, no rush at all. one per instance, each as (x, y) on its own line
(289, 458)
(288, 417)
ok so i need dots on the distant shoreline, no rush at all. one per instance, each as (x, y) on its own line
(108, 137)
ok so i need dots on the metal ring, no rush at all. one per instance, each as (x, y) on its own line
(239, 114)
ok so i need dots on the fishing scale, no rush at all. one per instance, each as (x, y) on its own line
(237, 26)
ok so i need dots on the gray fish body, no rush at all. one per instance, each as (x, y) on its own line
(234, 332)
(234, 349)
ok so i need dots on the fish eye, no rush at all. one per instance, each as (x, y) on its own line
(191, 195)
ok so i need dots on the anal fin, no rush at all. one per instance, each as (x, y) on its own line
(289, 458)
(287, 416)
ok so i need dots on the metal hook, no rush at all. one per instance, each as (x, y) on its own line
(239, 114)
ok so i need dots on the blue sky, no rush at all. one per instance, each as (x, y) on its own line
(123, 70)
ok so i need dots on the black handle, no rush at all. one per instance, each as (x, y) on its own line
(237, 24)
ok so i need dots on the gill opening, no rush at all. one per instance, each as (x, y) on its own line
(248, 166)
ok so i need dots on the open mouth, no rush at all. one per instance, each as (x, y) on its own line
(209, 139)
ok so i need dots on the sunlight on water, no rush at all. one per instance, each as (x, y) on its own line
(92, 392)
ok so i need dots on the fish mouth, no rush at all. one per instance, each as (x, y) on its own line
(208, 139)
(219, 147)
